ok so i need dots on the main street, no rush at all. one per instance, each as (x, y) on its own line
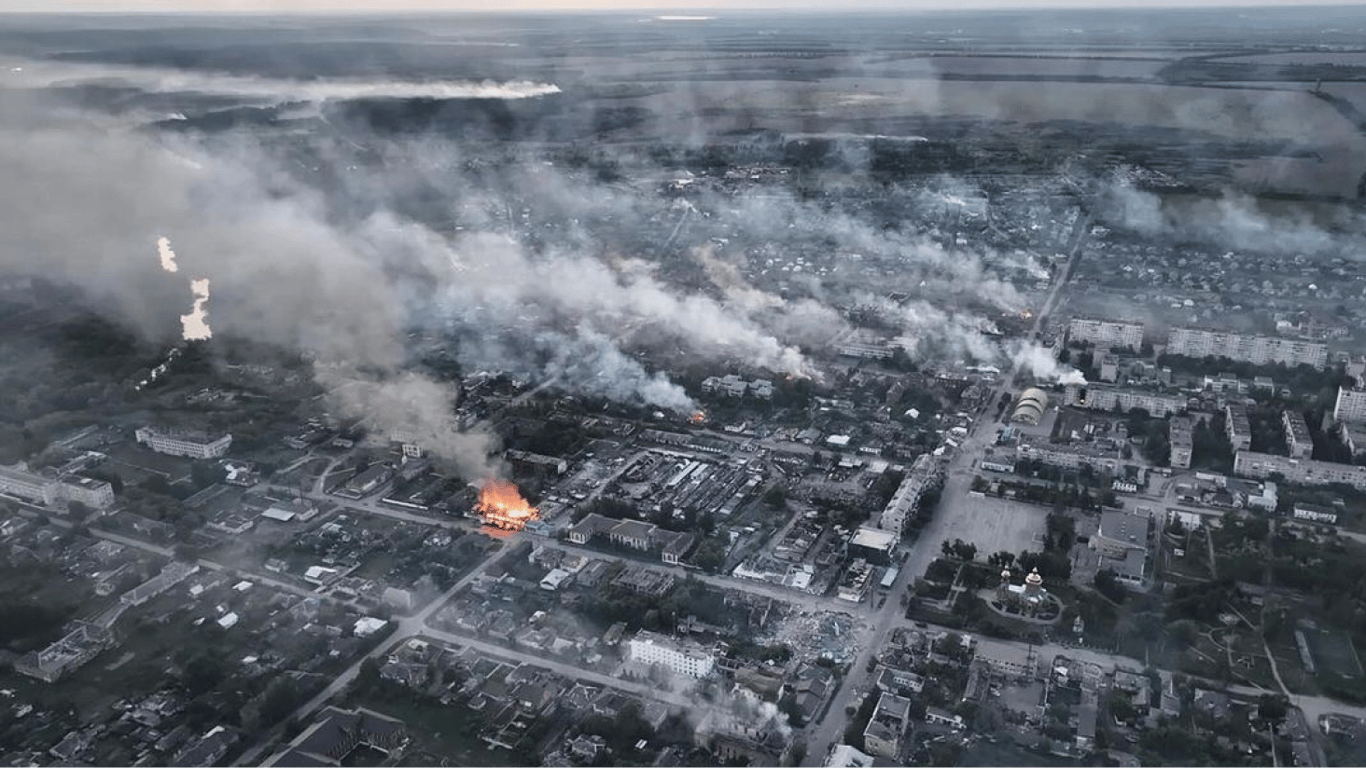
(824, 735)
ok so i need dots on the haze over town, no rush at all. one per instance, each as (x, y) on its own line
(644, 386)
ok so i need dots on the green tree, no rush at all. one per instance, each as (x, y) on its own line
(280, 700)
(1107, 583)
(205, 473)
(710, 555)
(203, 674)
(775, 496)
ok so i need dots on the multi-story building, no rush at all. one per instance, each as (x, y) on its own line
(1069, 456)
(1237, 426)
(195, 445)
(1099, 397)
(1302, 471)
(732, 385)
(1297, 439)
(32, 488)
(924, 475)
(1354, 437)
(95, 494)
(1246, 347)
(1105, 334)
(888, 724)
(1350, 407)
(1180, 436)
(37, 489)
(83, 643)
(686, 659)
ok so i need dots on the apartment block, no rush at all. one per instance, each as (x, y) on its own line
(1105, 334)
(1244, 347)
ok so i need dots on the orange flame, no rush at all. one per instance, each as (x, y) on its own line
(698, 417)
(502, 506)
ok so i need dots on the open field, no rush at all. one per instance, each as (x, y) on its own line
(1341, 59)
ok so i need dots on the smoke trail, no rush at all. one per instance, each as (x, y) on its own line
(167, 255)
(195, 325)
(41, 74)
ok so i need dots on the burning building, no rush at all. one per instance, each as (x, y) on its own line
(501, 505)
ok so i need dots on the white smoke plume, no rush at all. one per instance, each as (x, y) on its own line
(195, 326)
(40, 74)
(737, 291)
(167, 255)
(1041, 364)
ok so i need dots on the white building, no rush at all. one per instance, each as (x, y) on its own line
(1181, 437)
(903, 505)
(49, 492)
(1105, 334)
(732, 385)
(195, 445)
(26, 485)
(1297, 438)
(687, 660)
(1238, 427)
(1250, 348)
(1350, 407)
(1099, 397)
(1314, 514)
(1073, 456)
(1302, 471)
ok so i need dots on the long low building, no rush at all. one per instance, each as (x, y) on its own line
(1098, 397)
(51, 492)
(1105, 334)
(1073, 456)
(1301, 471)
(1246, 347)
(195, 445)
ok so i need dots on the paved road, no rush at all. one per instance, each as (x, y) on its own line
(802, 599)
(824, 735)
(647, 690)
(407, 628)
(806, 600)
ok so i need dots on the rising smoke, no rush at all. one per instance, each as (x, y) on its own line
(289, 268)
(44, 74)
(1039, 362)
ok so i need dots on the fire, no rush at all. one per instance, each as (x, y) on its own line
(698, 417)
(502, 506)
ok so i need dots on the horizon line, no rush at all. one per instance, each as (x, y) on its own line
(373, 9)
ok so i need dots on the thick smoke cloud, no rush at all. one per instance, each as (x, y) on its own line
(1039, 362)
(1232, 220)
(30, 74)
(346, 272)
(410, 407)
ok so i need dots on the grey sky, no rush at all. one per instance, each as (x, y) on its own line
(715, 6)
